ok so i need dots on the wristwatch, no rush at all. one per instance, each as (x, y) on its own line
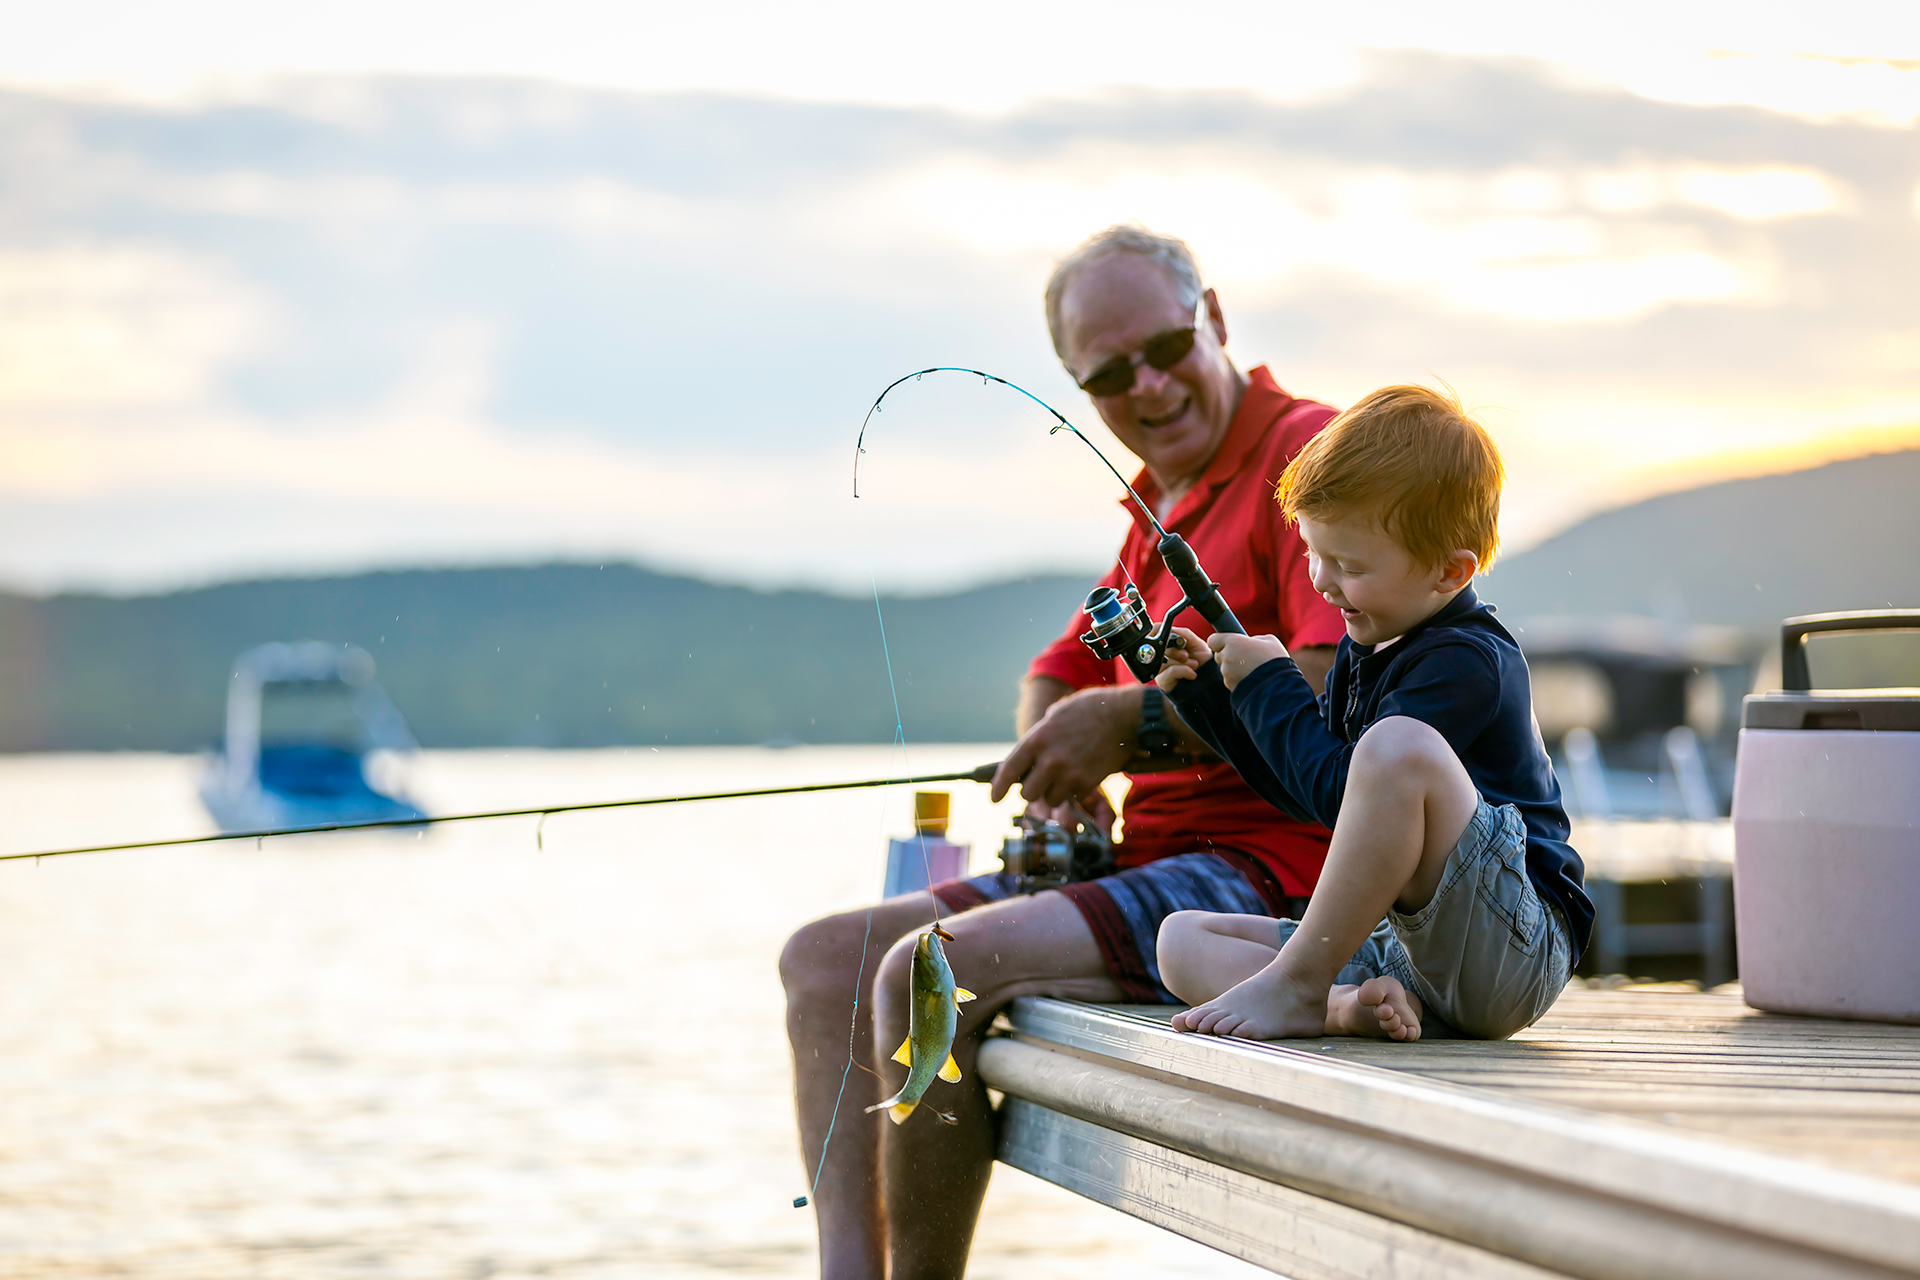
(1155, 738)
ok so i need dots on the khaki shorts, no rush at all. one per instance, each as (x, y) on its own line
(1487, 956)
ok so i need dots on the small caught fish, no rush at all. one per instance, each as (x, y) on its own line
(928, 1049)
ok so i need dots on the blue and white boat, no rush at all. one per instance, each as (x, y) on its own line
(311, 740)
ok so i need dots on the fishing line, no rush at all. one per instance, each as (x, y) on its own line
(1059, 425)
(899, 725)
(926, 861)
(983, 773)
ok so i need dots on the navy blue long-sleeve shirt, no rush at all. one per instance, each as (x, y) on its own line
(1458, 671)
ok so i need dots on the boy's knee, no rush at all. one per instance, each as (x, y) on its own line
(1175, 944)
(1177, 931)
(1398, 743)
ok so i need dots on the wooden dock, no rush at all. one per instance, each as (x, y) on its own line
(1632, 1134)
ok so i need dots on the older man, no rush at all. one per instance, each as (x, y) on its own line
(1135, 328)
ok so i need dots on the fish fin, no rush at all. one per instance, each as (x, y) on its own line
(899, 1111)
(904, 1054)
(894, 1101)
(961, 995)
(951, 1071)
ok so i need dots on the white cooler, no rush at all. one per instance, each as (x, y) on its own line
(1826, 829)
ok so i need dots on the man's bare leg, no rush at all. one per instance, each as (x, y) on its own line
(819, 968)
(1205, 953)
(935, 1173)
(1408, 800)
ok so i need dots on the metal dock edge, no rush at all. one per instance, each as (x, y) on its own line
(1321, 1168)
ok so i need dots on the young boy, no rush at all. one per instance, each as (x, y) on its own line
(1422, 755)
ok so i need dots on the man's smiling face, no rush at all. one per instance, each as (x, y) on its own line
(1174, 420)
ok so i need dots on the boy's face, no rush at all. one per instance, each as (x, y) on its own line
(1380, 590)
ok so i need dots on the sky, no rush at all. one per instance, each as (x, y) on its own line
(293, 289)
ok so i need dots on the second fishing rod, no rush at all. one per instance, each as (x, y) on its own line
(1040, 853)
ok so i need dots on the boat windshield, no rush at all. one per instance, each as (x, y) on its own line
(311, 713)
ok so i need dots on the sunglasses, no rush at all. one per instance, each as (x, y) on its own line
(1162, 351)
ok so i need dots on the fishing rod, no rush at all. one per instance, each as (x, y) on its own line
(1122, 628)
(983, 773)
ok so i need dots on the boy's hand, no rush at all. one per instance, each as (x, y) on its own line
(1186, 654)
(1239, 655)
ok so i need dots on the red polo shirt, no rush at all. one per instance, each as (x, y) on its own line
(1233, 524)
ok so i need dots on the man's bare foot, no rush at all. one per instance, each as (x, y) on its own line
(1378, 1007)
(1268, 1006)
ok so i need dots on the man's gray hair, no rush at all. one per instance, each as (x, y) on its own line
(1126, 237)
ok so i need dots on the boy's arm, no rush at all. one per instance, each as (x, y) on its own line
(1204, 703)
(1281, 718)
(1453, 687)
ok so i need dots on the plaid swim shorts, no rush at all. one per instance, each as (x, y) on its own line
(1124, 910)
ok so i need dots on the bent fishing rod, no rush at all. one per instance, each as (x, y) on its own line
(983, 773)
(1121, 628)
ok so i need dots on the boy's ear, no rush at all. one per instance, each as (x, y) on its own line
(1457, 570)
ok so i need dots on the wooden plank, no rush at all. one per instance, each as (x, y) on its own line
(1302, 1236)
(1472, 1196)
(1594, 1160)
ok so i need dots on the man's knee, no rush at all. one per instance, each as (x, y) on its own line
(895, 970)
(823, 951)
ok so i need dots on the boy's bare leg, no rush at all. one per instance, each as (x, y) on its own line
(936, 1173)
(1205, 953)
(819, 968)
(1408, 800)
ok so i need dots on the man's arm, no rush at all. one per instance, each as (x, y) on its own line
(1072, 741)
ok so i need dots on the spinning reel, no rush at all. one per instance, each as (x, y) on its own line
(1122, 627)
(1044, 854)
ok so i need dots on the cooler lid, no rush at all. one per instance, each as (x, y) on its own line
(1883, 710)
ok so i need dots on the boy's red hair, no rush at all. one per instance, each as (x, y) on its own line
(1412, 462)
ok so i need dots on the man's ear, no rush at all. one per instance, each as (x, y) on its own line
(1217, 316)
(1457, 570)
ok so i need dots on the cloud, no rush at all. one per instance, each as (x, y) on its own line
(649, 323)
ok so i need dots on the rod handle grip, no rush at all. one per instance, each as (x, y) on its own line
(1200, 590)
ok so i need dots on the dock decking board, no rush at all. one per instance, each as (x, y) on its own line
(1630, 1133)
(1842, 1094)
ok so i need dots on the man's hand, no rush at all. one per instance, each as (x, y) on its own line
(1083, 738)
(1186, 654)
(1094, 805)
(1239, 655)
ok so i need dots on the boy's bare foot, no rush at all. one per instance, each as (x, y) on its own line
(1378, 1007)
(1267, 1006)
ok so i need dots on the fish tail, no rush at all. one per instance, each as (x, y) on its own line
(897, 1111)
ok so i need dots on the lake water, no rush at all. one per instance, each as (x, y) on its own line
(457, 1055)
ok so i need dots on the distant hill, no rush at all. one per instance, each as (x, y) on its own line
(561, 655)
(575, 655)
(1742, 553)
